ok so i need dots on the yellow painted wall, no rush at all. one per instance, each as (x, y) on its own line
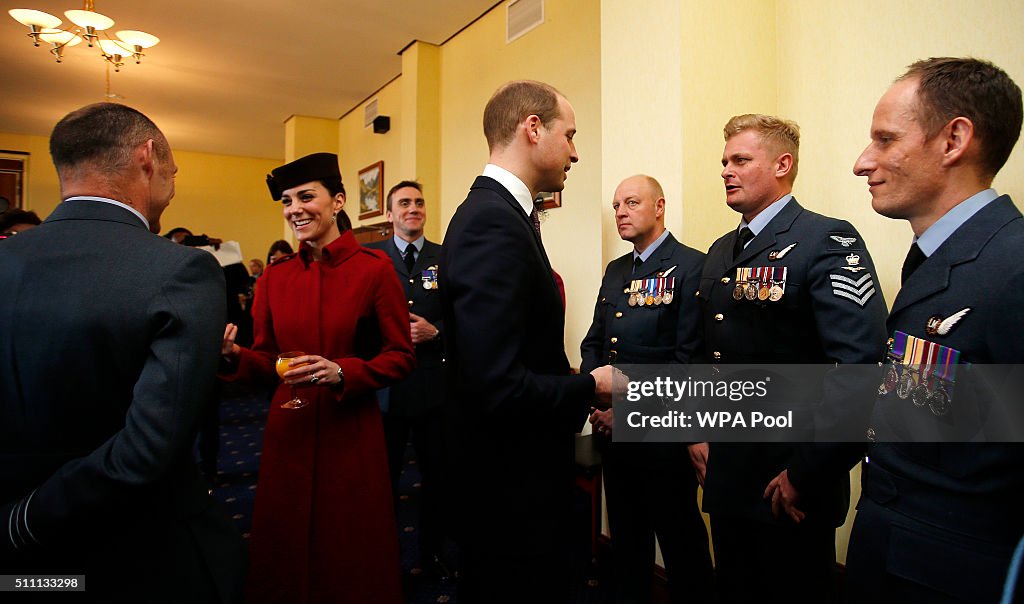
(564, 52)
(226, 196)
(835, 61)
(221, 195)
(358, 147)
(729, 68)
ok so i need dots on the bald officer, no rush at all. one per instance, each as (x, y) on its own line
(650, 488)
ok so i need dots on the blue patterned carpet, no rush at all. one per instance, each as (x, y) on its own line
(242, 415)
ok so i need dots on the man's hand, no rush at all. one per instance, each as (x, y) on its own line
(784, 497)
(603, 384)
(421, 329)
(699, 458)
(603, 421)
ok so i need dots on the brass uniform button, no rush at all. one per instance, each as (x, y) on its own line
(615, 340)
(719, 317)
(618, 315)
(410, 302)
(717, 355)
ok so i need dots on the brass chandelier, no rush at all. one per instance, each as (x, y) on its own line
(89, 26)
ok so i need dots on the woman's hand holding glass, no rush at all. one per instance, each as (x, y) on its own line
(301, 369)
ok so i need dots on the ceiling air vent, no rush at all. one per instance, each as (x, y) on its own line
(523, 15)
(370, 113)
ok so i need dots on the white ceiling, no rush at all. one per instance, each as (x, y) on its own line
(226, 73)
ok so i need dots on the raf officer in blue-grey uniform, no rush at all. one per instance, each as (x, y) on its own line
(415, 406)
(646, 314)
(939, 517)
(788, 286)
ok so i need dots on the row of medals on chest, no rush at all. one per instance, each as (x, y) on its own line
(651, 292)
(760, 283)
(921, 371)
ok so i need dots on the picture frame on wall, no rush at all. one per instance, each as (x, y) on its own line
(371, 190)
(550, 200)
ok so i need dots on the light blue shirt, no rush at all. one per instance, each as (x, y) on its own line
(402, 244)
(113, 202)
(650, 249)
(511, 182)
(938, 233)
(761, 220)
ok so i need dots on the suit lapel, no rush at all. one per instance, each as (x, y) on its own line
(659, 261)
(485, 182)
(781, 223)
(963, 246)
(396, 257)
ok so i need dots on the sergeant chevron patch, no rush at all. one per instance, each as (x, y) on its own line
(859, 290)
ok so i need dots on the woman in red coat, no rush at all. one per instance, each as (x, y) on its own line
(323, 526)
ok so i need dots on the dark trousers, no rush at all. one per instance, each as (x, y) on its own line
(427, 433)
(761, 561)
(895, 558)
(651, 490)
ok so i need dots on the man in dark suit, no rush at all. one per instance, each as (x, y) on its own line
(109, 336)
(414, 406)
(789, 287)
(650, 488)
(514, 403)
(939, 517)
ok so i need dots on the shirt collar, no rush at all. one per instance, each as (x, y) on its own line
(512, 184)
(401, 244)
(651, 248)
(112, 202)
(938, 233)
(761, 220)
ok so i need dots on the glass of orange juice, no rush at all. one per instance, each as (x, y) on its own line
(283, 364)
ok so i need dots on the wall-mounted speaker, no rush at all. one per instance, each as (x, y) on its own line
(381, 124)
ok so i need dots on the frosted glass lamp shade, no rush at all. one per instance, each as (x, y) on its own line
(141, 39)
(88, 18)
(59, 37)
(30, 17)
(112, 48)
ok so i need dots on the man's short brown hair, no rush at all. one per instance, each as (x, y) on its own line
(780, 135)
(948, 88)
(402, 185)
(514, 102)
(102, 137)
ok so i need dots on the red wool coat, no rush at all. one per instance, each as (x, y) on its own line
(323, 526)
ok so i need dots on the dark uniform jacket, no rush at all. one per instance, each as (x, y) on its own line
(966, 497)
(831, 312)
(666, 333)
(109, 340)
(423, 390)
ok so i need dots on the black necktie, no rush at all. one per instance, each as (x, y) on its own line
(914, 259)
(741, 241)
(637, 263)
(409, 257)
